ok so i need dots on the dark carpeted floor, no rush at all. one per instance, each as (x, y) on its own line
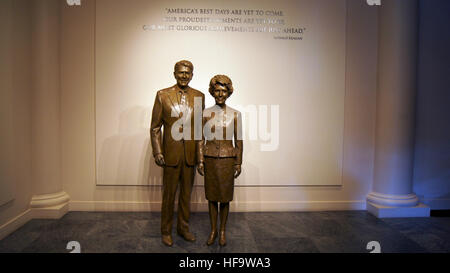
(274, 232)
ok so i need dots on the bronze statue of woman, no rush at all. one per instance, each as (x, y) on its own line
(219, 160)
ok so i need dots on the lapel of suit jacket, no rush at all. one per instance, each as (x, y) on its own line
(174, 100)
(189, 103)
(190, 98)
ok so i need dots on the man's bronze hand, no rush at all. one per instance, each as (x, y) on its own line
(201, 169)
(159, 159)
(237, 170)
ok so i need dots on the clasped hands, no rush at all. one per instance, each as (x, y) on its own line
(201, 169)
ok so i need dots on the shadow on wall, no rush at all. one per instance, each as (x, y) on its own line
(126, 158)
(241, 198)
(432, 147)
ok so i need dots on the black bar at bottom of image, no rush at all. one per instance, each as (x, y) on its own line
(220, 262)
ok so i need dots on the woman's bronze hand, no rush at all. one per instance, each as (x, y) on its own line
(201, 169)
(237, 170)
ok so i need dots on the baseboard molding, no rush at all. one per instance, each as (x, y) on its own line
(256, 206)
(49, 200)
(46, 206)
(53, 212)
(15, 223)
(436, 204)
(380, 211)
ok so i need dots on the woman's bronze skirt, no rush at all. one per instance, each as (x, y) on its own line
(219, 178)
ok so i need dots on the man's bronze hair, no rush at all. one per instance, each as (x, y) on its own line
(184, 63)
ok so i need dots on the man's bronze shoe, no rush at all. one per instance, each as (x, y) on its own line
(222, 239)
(188, 236)
(212, 238)
(167, 240)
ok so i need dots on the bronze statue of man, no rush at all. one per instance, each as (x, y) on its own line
(177, 156)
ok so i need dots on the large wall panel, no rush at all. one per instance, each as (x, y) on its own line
(285, 56)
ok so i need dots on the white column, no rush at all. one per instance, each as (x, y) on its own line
(49, 201)
(392, 194)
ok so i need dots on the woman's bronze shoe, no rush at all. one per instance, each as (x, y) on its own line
(212, 238)
(222, 239)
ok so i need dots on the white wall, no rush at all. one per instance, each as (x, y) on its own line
(78, 128)
(15, 122)
(6, 125)
(301, 82)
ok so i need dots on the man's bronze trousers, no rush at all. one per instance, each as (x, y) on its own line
(182, 175)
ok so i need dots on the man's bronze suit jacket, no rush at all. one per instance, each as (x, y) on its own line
(167, 110)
